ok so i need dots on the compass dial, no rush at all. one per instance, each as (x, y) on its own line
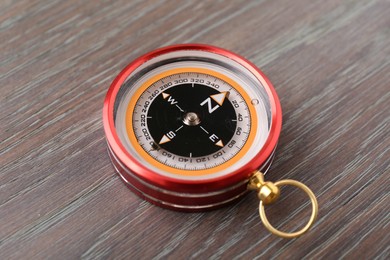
(192, 115)
(190, 120)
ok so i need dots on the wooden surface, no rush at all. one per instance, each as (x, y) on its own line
(59, 195)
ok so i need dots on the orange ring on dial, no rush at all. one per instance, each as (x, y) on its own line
(147, 157)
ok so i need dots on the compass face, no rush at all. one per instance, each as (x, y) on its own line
(192, 115)
(192, 120)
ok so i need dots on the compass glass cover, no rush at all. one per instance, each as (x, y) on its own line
(192, 115)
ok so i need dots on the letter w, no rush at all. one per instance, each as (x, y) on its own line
(172, 100)
(210, 108)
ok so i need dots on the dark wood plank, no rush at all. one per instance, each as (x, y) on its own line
(59, 194)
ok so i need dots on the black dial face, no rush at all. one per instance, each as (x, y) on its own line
(179, 120)
(191, 120)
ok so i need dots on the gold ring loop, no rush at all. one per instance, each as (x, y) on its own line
(313, 216)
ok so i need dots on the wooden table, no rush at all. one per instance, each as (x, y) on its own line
(59, 195)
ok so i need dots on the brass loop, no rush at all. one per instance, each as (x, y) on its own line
(313, 216)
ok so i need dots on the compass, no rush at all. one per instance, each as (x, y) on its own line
(193, 127)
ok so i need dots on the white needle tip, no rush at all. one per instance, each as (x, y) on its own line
(219, 98)
(219, 143)
(165, 95)
(164, 140)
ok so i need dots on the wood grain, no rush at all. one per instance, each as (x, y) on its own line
(59, 194)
